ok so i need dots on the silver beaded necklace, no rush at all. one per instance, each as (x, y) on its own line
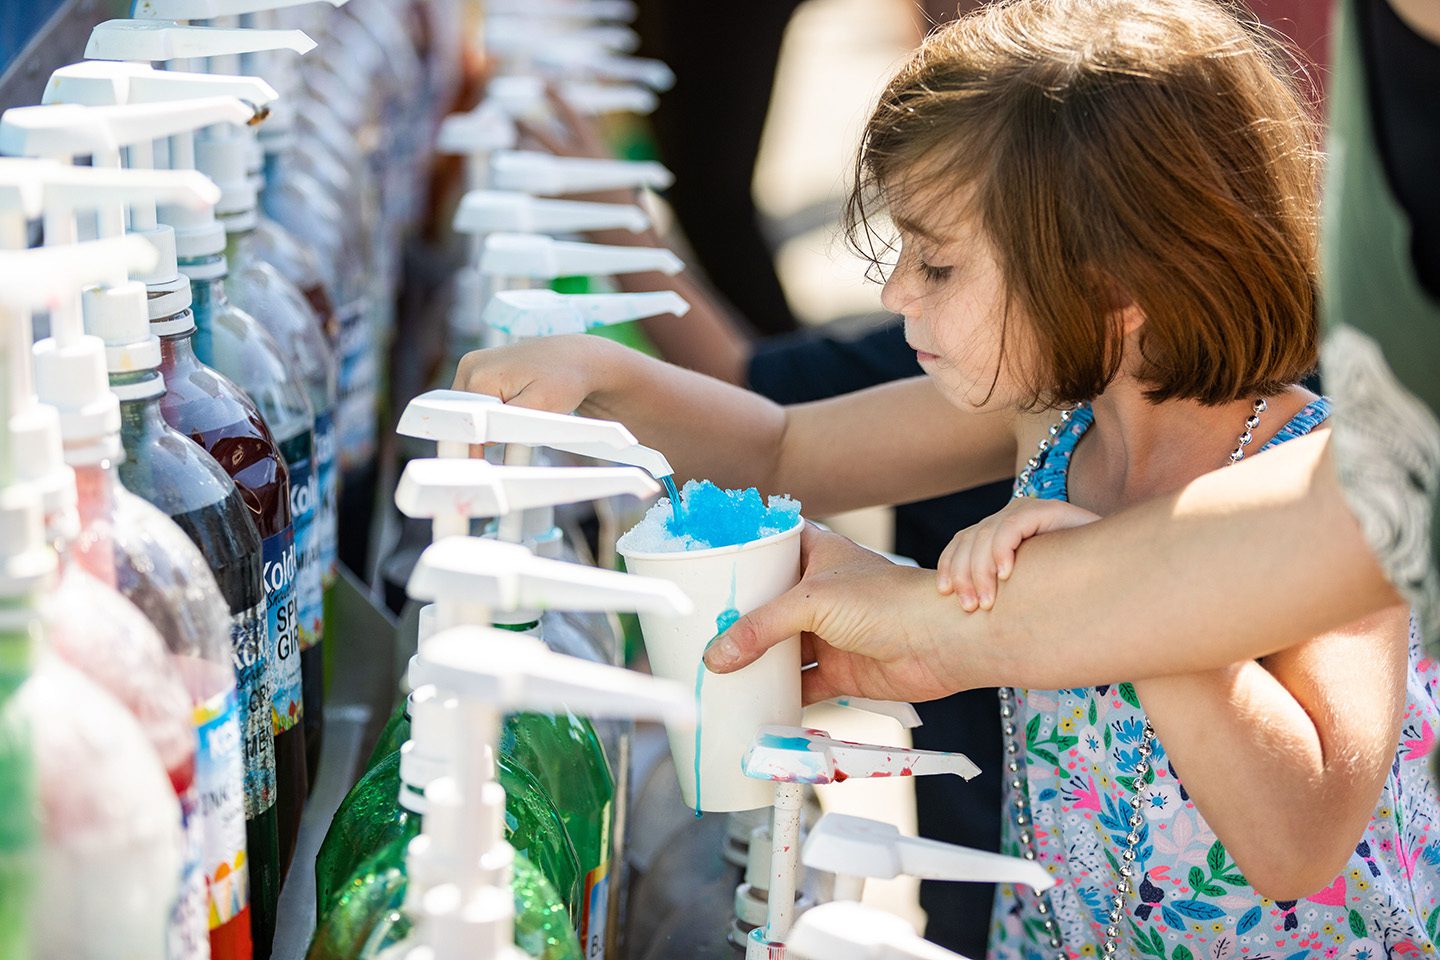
(1143, 775)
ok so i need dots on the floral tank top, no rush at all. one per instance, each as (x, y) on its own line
(1191, 902)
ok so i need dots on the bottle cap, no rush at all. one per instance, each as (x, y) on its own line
(797, 755)
(546, 175)
(869, 848)
(544, 313)
(504, 211)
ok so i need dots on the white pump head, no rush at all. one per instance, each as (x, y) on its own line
(594, 11)
(483, 130)
(506, 576)
(516, 36)
(797, 755)
(901, 712)
(48, 278)
(476, 488)
(849, 931)
(544, 313)
(529, 171)
(543, 258)
(210, 9)
(458, 417)
(524, 97)
(159, 41)
(497, 211)
(515, 672)
(572, 57)
(98, 83)
(62, 131)
(855, 846)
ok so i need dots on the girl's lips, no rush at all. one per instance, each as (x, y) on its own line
(922, 356)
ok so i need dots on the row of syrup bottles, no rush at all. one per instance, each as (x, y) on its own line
(238, 463)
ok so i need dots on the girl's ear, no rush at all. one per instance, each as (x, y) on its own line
(1130, 318)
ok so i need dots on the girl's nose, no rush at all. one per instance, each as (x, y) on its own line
(896, 296)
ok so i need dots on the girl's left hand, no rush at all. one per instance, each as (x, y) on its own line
(981, 557)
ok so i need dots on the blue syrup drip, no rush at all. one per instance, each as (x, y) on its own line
(785, 743)
(723, 622)
(677, 506)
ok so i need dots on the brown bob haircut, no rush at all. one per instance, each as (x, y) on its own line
(1155, 152)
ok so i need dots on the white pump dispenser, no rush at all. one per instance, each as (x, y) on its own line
(476, 135)
(511, 35)
(854, 848)
(575, 57)
(211, 9)
(849, 931)
(157, 41)
(792, 757)
(504, 211)
(593, 11)
(537, 257)
(543, 313)
(455, 419)
(547, 175)
(525, 97)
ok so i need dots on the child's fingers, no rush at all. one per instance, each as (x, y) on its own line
(959, 570)
(1014, 531)
(982, 567)
(944, 580)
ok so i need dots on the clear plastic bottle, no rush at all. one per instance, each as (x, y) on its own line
(234, 343)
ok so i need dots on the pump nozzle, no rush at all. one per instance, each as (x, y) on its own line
(594, 11)
(476, 488)
(504, 211)
(529, 171)
(210, 9)
(512, 35)
(506, 576)
(797, 755)
(515, 672)
(482, 130)
(44, 277)
(98, 83)
(544, 313)
(542, 258)
(849, 931)
(854, 846)
(159, 41)
(524, 98)
(576, 57)
(458, 417)
(901, 712)
(62, 131)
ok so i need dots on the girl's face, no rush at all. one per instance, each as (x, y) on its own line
(950, 289)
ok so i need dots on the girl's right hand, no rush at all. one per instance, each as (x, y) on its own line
(980, 557)
(556, 374)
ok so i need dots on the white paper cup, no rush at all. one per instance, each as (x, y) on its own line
(731, 707)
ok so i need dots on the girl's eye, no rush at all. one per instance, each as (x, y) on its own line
(933, 274)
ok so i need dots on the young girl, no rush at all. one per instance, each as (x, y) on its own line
(1107, 271)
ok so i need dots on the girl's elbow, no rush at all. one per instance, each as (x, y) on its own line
(1293, 865)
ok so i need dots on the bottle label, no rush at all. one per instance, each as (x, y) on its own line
(304, 513)
(282, 616)
(596, 912)
(358, 386)
(250, 652)
(188, 936)
(327, 518)
(218, 772)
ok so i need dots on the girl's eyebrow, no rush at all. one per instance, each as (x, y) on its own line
(910, 226)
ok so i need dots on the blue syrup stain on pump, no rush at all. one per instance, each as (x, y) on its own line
(786, 743)
(723, 622)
